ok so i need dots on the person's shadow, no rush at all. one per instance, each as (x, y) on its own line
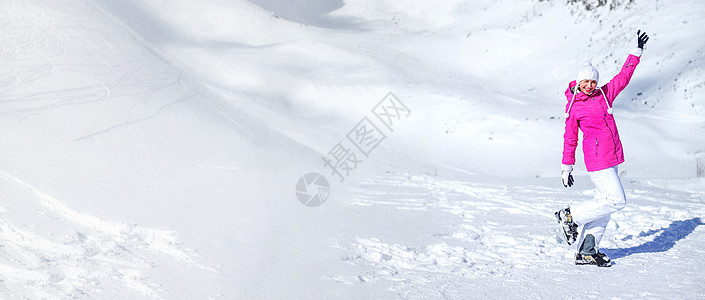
(662, 243)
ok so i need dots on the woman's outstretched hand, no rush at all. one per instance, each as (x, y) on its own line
(641, 39)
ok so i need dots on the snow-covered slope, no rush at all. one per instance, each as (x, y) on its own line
(151, 149)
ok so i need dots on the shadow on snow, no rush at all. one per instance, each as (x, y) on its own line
(662, 243)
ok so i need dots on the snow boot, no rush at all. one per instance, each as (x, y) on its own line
(570, 229)
(588, 254)
(600, 259)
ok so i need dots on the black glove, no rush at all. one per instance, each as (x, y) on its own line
(641, 39)
(566, 178)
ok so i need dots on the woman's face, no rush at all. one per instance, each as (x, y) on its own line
(588, 86)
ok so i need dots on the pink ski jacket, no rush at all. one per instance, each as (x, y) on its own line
(593, 115)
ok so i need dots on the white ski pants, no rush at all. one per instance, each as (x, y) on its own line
(593, 215)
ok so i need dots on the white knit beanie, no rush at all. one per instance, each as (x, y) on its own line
(587, 71)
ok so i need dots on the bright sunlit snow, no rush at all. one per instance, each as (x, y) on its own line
(154, 149)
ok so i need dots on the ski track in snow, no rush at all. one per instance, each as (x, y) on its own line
(82, 255)
(47, 249)
(485, 246)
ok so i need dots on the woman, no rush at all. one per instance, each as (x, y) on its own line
(589, 109)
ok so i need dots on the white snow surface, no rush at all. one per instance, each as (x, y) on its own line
(151, 149)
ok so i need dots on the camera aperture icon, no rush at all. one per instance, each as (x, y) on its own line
(312, 189)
